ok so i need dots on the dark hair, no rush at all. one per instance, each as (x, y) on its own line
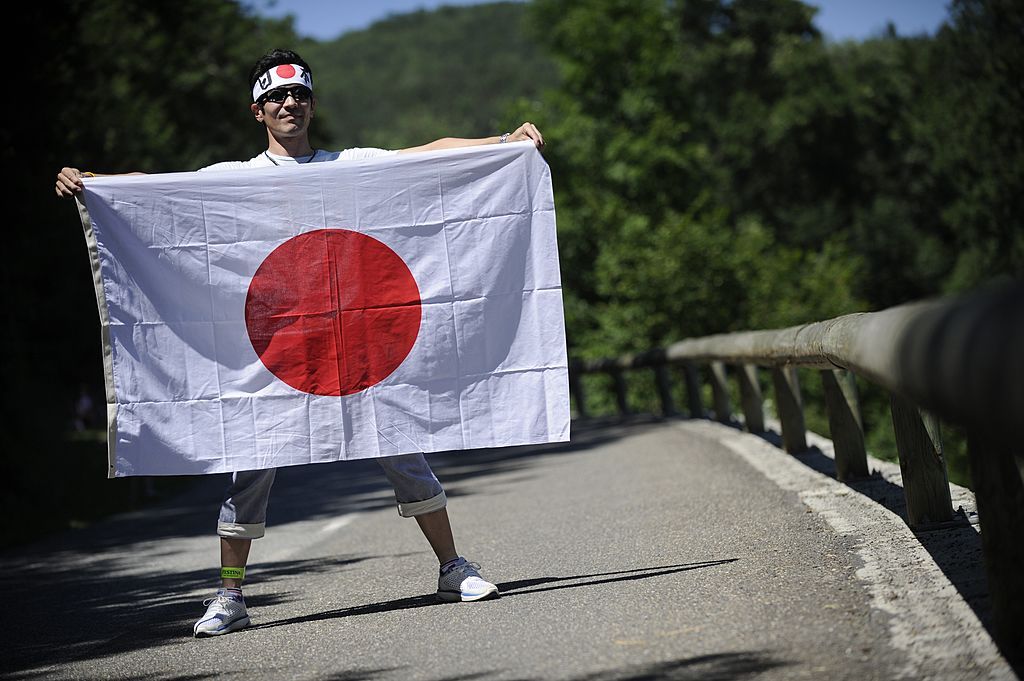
(275, 58)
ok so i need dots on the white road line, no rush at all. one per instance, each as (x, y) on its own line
(338, 523)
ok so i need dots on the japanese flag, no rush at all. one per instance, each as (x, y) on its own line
(280, 316)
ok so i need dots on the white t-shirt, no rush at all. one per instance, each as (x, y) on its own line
(267, 160)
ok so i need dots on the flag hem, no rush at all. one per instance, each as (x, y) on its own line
(108, 348)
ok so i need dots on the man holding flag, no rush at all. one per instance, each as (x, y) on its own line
(283, 101)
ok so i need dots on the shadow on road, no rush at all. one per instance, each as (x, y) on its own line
(718, 667)
(731, 666)
(523, 586)
(92, 611)
(507, 590)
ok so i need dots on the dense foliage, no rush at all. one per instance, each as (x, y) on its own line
(415, 77)
(720, 166)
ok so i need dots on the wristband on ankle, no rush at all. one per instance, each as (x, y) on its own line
(232, 573)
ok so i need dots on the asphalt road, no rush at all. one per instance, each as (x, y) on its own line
(670, 550)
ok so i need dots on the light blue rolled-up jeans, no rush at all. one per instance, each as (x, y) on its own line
(243, 514)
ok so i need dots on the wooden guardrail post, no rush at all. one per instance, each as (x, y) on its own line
(790, 408)
(750, 398)
(620, 392)
(663, 379)
(693, 400)
(845, 423)
(925, 482)
(576, 388)
(720, 393)
(997, 476)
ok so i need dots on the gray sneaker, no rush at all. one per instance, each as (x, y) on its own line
(223, 616)
(463, 583)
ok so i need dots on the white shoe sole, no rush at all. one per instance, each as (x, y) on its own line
(458, 596)
(234, 626)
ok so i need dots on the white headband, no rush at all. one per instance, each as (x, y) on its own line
(285, 74)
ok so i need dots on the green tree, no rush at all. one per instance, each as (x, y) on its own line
(415, 77)
(976, 136)
(685, 140)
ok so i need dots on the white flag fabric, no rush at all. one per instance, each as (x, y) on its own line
(273, 317)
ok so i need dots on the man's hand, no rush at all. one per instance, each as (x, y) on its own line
(69, 183)
(527, 131)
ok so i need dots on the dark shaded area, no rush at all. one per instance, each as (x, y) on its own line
(717, 667)
(153, 676)
(963, 361)
(104, 613)
(998, 475)
(74, 481)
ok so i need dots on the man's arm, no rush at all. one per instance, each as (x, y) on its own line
(69, 181)
(526, 131)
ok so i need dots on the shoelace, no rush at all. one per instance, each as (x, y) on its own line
(219, 598)
(462, 568)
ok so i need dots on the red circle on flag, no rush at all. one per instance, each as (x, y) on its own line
(332, 312)
(286, 70)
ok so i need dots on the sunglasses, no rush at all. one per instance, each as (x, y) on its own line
(300, 93)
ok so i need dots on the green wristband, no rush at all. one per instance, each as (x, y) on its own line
(232, 573)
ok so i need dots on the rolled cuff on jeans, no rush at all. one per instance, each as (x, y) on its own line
(239, 531)
(411, 509)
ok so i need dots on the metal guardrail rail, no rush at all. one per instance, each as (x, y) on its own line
(958, 360)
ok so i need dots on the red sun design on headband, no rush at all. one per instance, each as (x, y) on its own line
(286, 70)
